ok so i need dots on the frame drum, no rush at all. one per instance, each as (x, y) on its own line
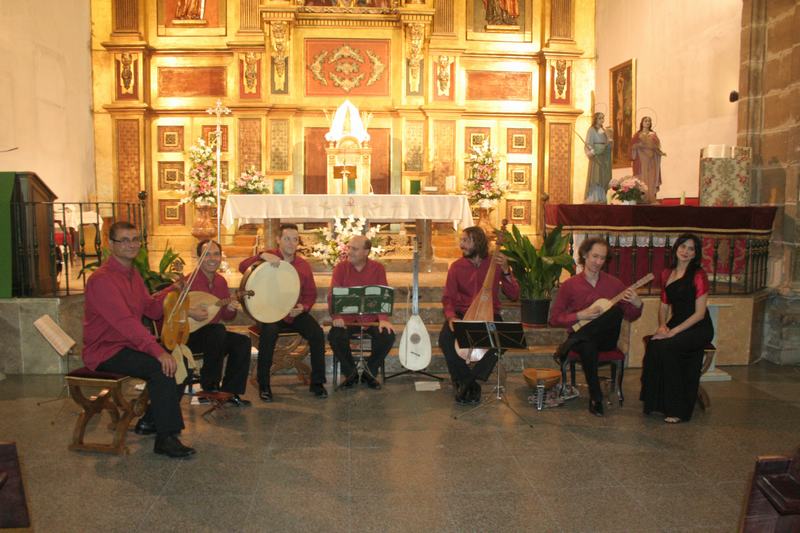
(275, 291)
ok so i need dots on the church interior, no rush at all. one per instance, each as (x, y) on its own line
(407, 120)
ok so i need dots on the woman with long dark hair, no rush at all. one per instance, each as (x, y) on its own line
(674, 355)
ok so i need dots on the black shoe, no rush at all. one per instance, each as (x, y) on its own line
(143, 427)
(462, 393)
(351, 380)
(265, 394)
(170, 446)
(238, 401)
(371, 382)
(474, 393)
(318, 389)
(596, 407)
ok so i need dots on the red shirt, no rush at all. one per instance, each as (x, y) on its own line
(576, 294)
(308, 288)
(700, 283)
(346, 275)
(219, 288)
(464, 282)
(115, 301)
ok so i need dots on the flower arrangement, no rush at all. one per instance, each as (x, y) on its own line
(200, 186)
(251, 181)
(627, 189)
(483, 189)
(332, 245)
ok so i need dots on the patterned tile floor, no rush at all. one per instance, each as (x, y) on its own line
(396, 460)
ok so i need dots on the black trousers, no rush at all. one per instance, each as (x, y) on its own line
(460, 372)
(165, 408)
(599, 335)
(308, 328)
(216, 343)
(339, 339)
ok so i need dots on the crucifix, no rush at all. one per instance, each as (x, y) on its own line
(219, 110)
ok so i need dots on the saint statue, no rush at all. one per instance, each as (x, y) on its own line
(646, 155)
(597, 146)
(501, 12)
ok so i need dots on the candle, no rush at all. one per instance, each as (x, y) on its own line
(683, 197)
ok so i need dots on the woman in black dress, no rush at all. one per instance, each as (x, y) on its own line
(674, 356)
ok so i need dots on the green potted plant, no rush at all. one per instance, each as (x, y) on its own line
(169, 267)
(537, 270)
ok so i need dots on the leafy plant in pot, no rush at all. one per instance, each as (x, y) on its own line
(537, 270)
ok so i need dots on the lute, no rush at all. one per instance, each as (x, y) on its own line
(608, 304)
(415, 344)
(212, 304)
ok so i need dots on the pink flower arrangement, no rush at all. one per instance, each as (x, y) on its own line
(200, 185)
(482, 186)
(627, 188)
(251, 181)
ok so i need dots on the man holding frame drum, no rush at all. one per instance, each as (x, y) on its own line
(298, 320)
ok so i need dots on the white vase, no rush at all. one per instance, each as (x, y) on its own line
(628, 202)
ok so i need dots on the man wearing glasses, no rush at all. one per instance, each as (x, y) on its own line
(115, 340)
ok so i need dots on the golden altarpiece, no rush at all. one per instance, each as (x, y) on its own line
(435, 77)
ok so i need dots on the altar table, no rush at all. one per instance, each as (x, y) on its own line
(271, 208)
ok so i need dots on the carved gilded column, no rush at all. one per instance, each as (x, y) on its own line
(415, 40)
(279, 34)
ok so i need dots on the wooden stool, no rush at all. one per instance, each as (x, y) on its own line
(290, 350)
(111, 399)
(217, 399)
(541, 379)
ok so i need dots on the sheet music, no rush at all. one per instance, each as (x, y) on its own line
(52, 333)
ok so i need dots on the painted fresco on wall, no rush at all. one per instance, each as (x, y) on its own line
(622, 91)
(347, 67)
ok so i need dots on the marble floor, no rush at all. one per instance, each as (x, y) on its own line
(396, 460)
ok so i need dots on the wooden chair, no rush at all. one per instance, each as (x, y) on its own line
(290, 350)
(709, 352)
(110, 397)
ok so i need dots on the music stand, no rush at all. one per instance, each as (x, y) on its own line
(498, 336)
(359, 301)
(61, 343)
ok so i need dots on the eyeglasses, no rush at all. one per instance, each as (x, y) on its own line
(127, 242)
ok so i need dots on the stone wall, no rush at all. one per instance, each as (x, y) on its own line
(768, 122)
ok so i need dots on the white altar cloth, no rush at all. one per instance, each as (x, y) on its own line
(375, 207)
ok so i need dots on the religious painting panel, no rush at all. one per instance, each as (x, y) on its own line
(444, 148)
(171, 213)
(518, 212)
(499, 20)
(559, 163)
(518, 176)
(622, 91)
(414, 133)
(348, 67)
(250, 75)
(126, 66)
(485, 85)
(474, 137)
(380, 142)
(249, 144)
(209, 133)
(191, 17)
(170, 175)
(279, 145)
(186, 82)
(315, 169)
(128, 160)
(519, 141)
(170, 138)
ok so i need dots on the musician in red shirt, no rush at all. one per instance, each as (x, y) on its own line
(355, 271)
(464, 281)
(575, 301)
(213, 340)
(115, 340)
(298, 320)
